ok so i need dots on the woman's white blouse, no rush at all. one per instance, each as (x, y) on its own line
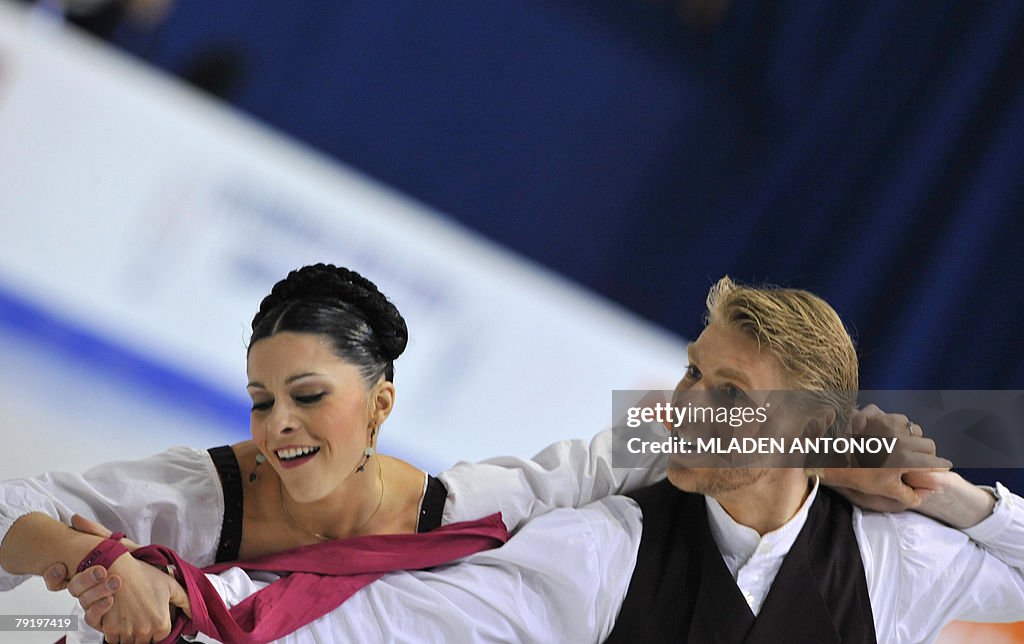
(175, 498)
(545, 585)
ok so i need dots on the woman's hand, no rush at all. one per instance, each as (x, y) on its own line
(888, 487)
(144, 612)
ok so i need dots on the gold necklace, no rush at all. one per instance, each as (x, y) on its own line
(284, 506)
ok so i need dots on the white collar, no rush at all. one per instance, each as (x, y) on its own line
(738, 543)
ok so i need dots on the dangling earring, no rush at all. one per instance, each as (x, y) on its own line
(260, 460)
(368, 452)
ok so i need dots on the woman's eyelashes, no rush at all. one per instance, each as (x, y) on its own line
(309, 399)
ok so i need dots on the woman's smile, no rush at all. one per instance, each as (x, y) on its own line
(292, 457)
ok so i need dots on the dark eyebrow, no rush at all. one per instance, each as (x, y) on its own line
(288, 380)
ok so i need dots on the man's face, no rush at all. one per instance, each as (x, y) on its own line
(726, 366)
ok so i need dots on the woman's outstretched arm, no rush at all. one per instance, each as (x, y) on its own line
(573, 473)
(174, 498)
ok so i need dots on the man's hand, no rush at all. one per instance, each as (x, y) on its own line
(91, 580)
(143, 614)
(144, 611)
(885, 488)
(951, 499)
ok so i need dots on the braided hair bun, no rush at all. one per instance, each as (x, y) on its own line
(338, 302)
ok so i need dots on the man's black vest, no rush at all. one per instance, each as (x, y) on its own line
(682, 591)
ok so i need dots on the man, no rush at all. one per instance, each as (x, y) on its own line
(715, 554)
(766, 555)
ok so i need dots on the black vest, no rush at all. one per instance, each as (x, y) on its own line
(682, 591)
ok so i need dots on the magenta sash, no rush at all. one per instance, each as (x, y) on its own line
(322, 576)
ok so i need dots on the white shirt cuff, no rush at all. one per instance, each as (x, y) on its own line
(994, 524)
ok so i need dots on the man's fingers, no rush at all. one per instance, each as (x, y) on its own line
(56, 577)
(925, 479)
(88, 526)
(179, 598)
(893, 424)
(126, 633)
(922, 461)
(160, 635)
(114, 635)
(900, 423)
(906, 495)
(99, 592)
(185, 605)
(94, 614)
(871, 411)
(83, 581)
(883, 501)
(916, 445)
(910, 452)
(919, 461)
(857, 423)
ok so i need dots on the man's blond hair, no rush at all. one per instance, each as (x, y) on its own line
(802, 331)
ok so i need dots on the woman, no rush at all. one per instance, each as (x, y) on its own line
(321, 370)
(320, 366)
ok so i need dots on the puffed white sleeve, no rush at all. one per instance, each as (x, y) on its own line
(174, 498)
(923, 574)
(566, 474)
(562, 578)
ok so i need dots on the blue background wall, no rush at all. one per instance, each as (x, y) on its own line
(868, 151)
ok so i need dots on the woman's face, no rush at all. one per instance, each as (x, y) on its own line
(312, 412)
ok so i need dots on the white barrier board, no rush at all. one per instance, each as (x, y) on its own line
(138, 214)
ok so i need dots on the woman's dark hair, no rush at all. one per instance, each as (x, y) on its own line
(365, 327)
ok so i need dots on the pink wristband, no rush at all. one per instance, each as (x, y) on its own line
(105, 553)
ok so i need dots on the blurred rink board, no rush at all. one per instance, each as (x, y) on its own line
(152, 221)
(143, 222)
